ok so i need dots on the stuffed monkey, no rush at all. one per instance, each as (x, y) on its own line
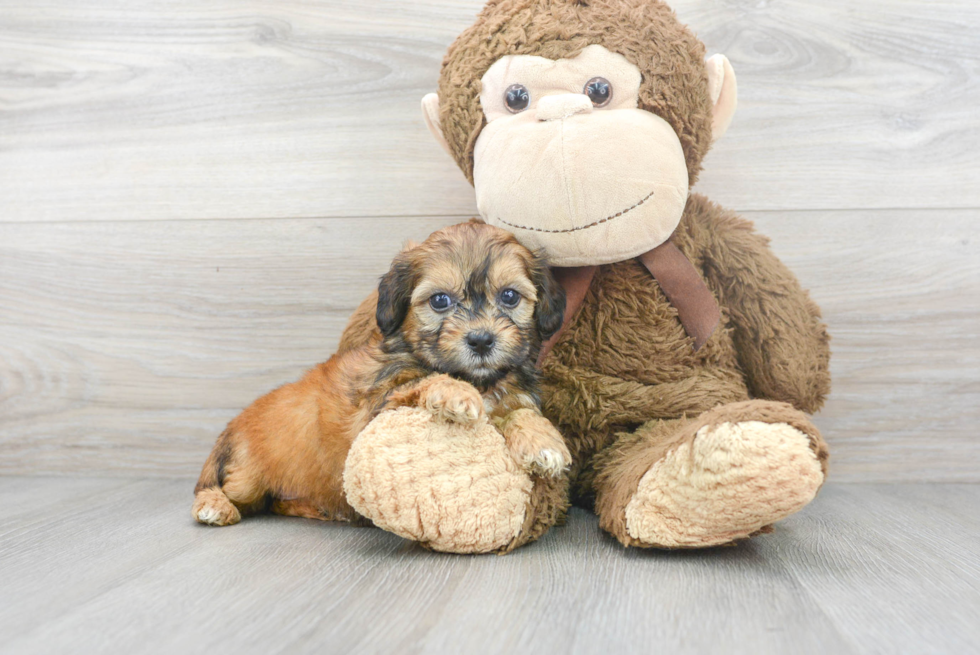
(689, 352)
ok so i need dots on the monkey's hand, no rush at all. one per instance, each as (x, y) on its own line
(451, 399)
(535, 442)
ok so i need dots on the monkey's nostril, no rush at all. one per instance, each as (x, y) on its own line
(480, 342)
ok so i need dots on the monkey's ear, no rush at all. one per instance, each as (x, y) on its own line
(723, 90)
(549, 312)
(394, 296)
(430, 110)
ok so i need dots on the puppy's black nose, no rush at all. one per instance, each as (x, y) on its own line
(480, 342)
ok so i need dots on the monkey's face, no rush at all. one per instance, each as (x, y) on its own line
(570, 164)
(470, 301)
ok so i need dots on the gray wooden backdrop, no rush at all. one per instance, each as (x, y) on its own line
(194, 196)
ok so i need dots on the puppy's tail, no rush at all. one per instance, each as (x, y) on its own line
(213, 473)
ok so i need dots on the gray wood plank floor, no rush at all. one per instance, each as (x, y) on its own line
(117, 565)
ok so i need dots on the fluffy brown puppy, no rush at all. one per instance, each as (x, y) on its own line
(461, 319)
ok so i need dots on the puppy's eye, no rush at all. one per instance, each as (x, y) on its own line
(440, 302)
(599, 91)
(509, 298)
(517, 98)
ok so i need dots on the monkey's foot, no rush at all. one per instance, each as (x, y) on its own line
(730, 477)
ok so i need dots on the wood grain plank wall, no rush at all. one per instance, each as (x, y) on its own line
(127, 346)
(193, 199)
(309, 108)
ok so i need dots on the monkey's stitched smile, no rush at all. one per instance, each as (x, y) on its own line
(584, 227)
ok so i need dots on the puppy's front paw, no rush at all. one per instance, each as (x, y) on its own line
(454, 401)
(536, 444)
(549, 462)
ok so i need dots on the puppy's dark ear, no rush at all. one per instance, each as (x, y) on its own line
(549, 312)
(395, 295)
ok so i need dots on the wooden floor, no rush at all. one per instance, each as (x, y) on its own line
(114, 565)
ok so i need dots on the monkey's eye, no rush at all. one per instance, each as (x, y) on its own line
(440, 302)
(517, 98)
(509, 298)
(599, 91)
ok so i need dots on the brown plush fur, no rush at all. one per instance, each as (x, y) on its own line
(646, 32)
(640, 366)
(546, 506)
(287, 450)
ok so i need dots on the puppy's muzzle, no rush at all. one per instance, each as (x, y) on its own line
(480, 342)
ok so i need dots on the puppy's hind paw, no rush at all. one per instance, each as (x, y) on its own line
(212, 507)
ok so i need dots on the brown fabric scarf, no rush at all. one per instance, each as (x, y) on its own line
(678, 279)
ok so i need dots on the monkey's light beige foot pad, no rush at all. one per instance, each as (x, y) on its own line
(730, 481)
(452, 487)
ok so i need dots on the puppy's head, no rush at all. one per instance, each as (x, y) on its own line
(470, 301)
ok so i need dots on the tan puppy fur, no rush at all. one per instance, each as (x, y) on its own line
(460, 319)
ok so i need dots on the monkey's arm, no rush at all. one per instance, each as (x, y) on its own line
(782, 343)
(584, 401)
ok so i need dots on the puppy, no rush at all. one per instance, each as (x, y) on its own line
(460, 321)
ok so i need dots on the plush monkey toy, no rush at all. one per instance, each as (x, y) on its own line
(689, 352)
